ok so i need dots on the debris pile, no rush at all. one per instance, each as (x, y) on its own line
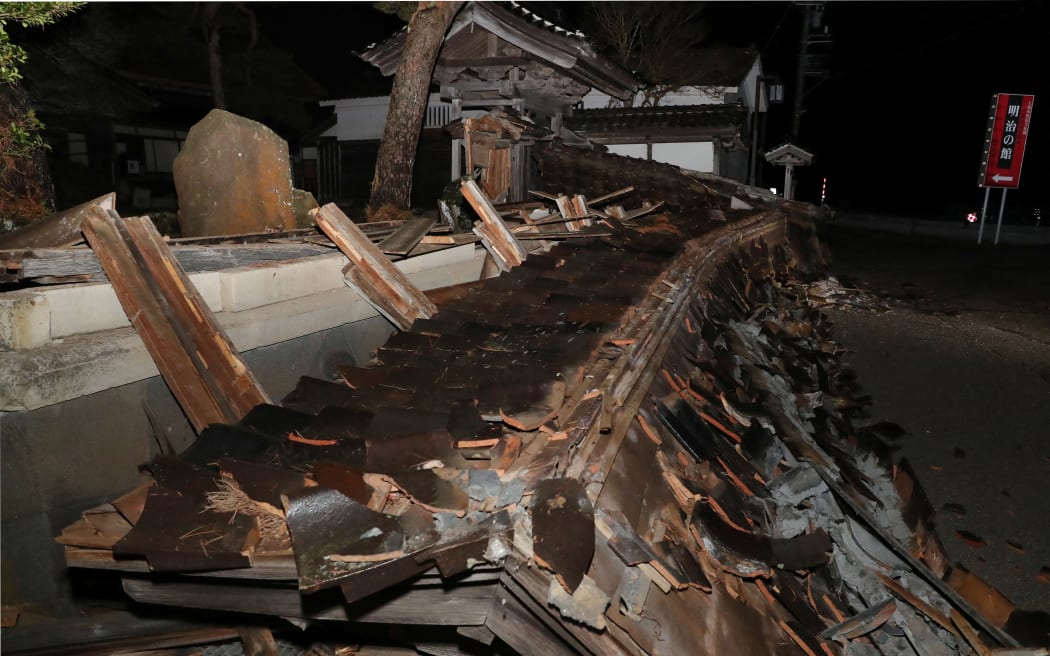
(630, 443)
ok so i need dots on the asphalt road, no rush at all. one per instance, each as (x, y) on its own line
(962, 361)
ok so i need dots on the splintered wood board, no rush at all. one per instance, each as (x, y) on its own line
(193, 354)
(497, 236)
(371, 272)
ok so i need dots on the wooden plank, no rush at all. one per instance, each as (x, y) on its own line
(487, 240)
(264, 567)
(609, 196)
(543, 194)
(501, 239)
(436, 605)
(579, 206)
(109, 632)
(220, 365)
(372, 273)
(451, 240)
(56, 230)
(59, 265)
(564, 235)
(147, 315)
(641, 211)
(523, 632)
(406, 237)
(568, 210)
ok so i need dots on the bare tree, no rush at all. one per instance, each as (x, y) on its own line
(654, 41)
(392, 184)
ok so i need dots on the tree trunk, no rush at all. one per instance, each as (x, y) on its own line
(26, 192)
(211, 34)
(392, 184)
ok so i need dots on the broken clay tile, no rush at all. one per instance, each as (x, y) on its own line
(346, 480)
(805, 551)
(465, 422)
(408, 451)
(300, 452)
(631, 549)
(467, 541)
(358, 377)
(226, 441)
(177, 475)
(173, 534)
(505, 452)
(263, 483)
(736, 551)
(337, 423)
(395, 420)
(677, 565)
(325, 522)
(956, 508)
(430, 490)
(275, 420)
(790, 592)
(312, 394)
(563, 529)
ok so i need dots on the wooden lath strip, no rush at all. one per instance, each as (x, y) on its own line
(193, 354)
(371, 272)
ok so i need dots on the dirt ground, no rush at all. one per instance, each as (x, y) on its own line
(961, 359)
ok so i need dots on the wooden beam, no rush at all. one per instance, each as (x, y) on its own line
(194, 355)
(371, 272)
(57, 230)
(500, 240)
(435, 605)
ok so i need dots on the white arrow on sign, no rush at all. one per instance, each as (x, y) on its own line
(1002, 178)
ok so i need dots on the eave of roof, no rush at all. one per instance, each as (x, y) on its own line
(657, 122)
(556, 46)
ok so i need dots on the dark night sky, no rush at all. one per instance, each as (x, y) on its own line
(899, 124)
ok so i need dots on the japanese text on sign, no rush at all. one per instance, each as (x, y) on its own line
(1008, 123)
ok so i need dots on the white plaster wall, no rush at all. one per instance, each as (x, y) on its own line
(683, 96)
(363, 119)
(630, 150)
(697, 156)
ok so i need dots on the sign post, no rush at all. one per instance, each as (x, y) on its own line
(1004, 142)
(984, 212)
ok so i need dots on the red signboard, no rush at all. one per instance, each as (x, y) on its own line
(1004, 142)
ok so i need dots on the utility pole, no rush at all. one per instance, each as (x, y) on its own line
(800, 79)
(813, 56)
